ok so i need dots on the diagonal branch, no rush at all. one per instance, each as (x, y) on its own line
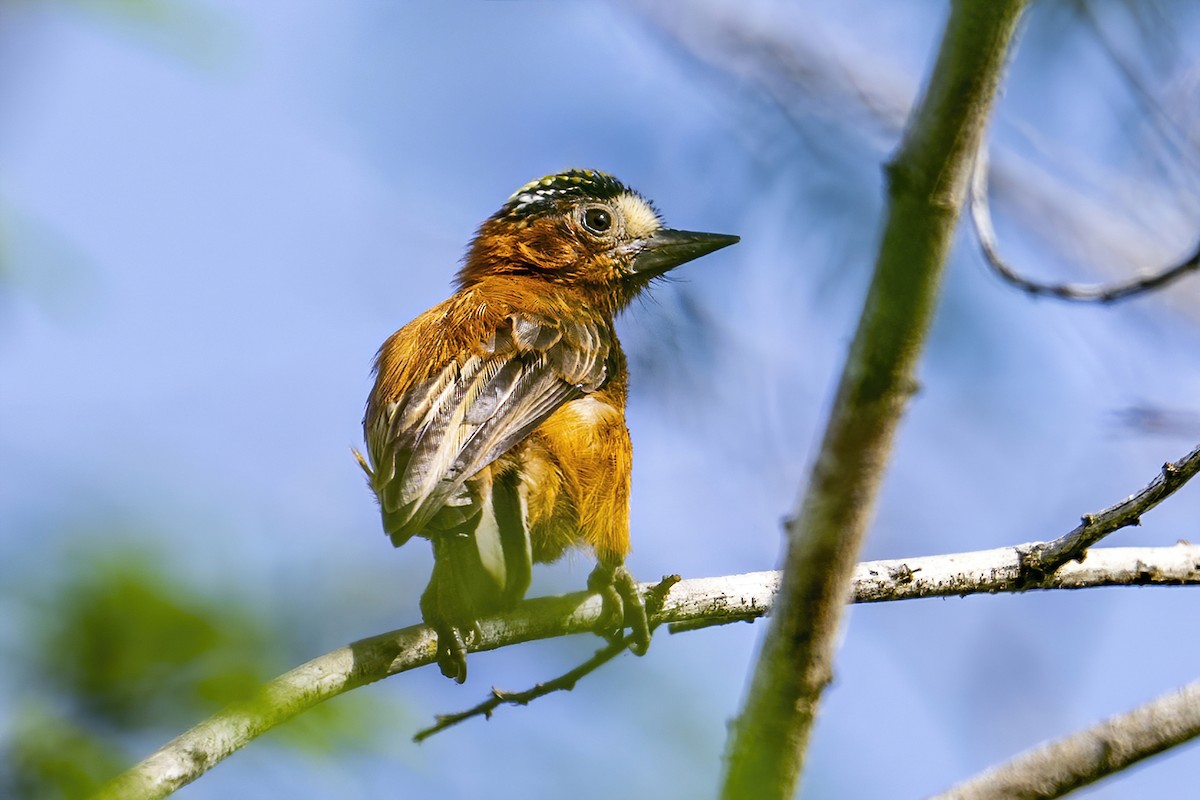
(691, 603)
(1056, 768)
(1049, 556)
(927, 187)
(563, 683)
(981, 216)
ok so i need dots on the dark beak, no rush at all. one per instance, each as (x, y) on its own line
(667, 249)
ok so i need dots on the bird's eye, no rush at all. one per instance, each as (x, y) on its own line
(597, 220)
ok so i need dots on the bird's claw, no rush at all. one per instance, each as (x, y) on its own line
(452, 650)
(452, 653)
(621, 606)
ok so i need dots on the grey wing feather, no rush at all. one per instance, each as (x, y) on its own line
(426, 446)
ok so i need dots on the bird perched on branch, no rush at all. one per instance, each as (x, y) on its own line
(496, 427)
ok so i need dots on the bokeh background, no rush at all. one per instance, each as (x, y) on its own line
(212, 213)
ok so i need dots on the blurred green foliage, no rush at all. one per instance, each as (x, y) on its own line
(134, 649)
(122, 654)
(49, 756)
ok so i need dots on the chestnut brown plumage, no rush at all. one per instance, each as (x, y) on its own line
(496, 427)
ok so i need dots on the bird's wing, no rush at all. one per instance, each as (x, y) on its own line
(427, 444)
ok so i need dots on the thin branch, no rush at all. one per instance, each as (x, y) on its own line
(563, 683)
(927, 188)
(694, 604)
(190, 755)
(981, 216)
(1002, 569)
(653, 598)
(697, 601)
(1059, 767)
(1049, 556)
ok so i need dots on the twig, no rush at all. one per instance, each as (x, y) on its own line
(731, 598)
(1059, 767)
(563, 683)
(1046, 557)
(981, 216)
(655, 596)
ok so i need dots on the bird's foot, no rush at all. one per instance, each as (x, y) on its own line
(452, 649)
(622, 606)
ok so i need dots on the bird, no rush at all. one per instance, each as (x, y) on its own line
(496, 425)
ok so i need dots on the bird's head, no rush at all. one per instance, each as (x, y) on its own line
(586, 230)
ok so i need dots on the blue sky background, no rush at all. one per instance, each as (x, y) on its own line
(211, 214)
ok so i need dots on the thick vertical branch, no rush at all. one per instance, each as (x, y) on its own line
(927, 186)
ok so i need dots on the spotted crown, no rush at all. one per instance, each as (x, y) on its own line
(542, 195)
